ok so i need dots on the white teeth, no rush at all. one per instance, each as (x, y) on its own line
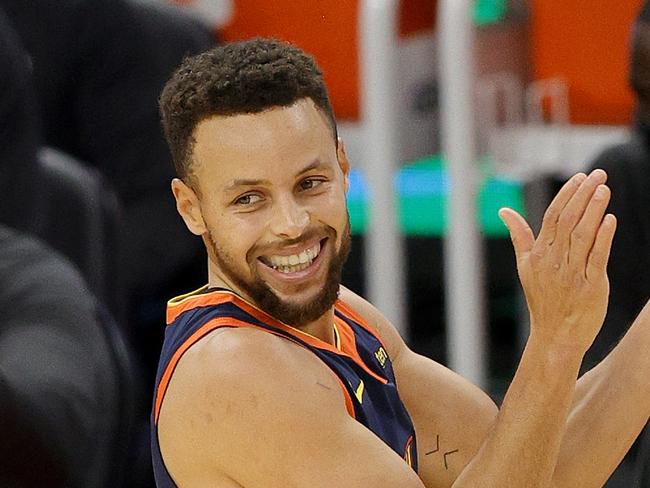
(294, 262)
(291, 269)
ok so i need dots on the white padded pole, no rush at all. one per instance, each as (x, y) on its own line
(465, 308)
(384, 262)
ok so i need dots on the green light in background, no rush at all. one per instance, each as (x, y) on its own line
(489, 11)
(423, 187)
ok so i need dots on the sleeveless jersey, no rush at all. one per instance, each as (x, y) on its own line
(358, 360)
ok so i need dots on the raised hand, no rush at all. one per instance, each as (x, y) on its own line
(564, 271)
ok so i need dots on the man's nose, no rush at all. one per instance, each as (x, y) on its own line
(289, 219)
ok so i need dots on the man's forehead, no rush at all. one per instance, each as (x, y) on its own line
(283, 139)
(301, 117)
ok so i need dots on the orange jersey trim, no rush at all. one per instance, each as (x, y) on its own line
(199, 334)
(348, 344)
(350, 312)
(198, 298)
(349, 347)
(189, 342)
(349, 406)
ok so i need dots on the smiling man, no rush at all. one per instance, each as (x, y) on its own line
(284, 257)
(275, 375)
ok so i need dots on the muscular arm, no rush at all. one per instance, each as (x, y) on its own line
(563, 274)
(612, 401)
(276, 418)
(463, 440)
(611, 406)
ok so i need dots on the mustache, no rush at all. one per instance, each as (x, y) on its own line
(309, 235)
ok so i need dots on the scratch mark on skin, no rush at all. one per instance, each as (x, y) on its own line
(449, 453)
(322, 385)
(437, 446)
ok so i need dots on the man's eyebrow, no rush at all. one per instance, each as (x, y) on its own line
(316, 164)
(234, 184)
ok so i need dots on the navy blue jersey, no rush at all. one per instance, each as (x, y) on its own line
(358, 359)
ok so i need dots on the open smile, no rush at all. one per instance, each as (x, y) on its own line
(291, 264)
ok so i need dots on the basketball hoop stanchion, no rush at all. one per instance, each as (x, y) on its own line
(464, 262)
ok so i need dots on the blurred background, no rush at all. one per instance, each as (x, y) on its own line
(449, 110)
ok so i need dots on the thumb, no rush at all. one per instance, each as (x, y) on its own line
(520, 232)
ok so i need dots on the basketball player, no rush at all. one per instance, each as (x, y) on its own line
(273, 375)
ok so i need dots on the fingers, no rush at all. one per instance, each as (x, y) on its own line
(574, 230)
(574, 210)
(520, 232)
(599, 255)
(552, 214)
(584, 234)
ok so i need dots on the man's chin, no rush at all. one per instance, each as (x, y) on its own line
(297, 296)
(299, 311)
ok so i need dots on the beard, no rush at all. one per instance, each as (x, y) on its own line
(263, 296)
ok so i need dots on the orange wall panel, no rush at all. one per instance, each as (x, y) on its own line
(586, 42)
(328, 30)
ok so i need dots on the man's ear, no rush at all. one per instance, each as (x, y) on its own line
(343, 162)
(188, 206)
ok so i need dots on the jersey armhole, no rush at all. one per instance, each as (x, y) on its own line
(351, 313)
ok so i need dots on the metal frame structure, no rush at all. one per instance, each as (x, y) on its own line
(464, 268)
(385, 261)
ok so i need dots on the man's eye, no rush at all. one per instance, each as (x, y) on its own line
(249, 199)
(310, 183)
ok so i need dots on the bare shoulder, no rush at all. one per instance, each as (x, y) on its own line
(246, 408)
(227, 356)
(236, 373)
(233, 389)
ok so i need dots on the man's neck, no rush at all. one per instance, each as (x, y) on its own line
(321, 328)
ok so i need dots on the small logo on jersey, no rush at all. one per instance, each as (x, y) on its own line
(381, 356)
(359, 392)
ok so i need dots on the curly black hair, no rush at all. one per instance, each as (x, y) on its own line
(244, 77)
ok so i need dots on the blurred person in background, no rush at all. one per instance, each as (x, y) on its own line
(99, 66)
(58, 389)
(628, 166)
(273, 374)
